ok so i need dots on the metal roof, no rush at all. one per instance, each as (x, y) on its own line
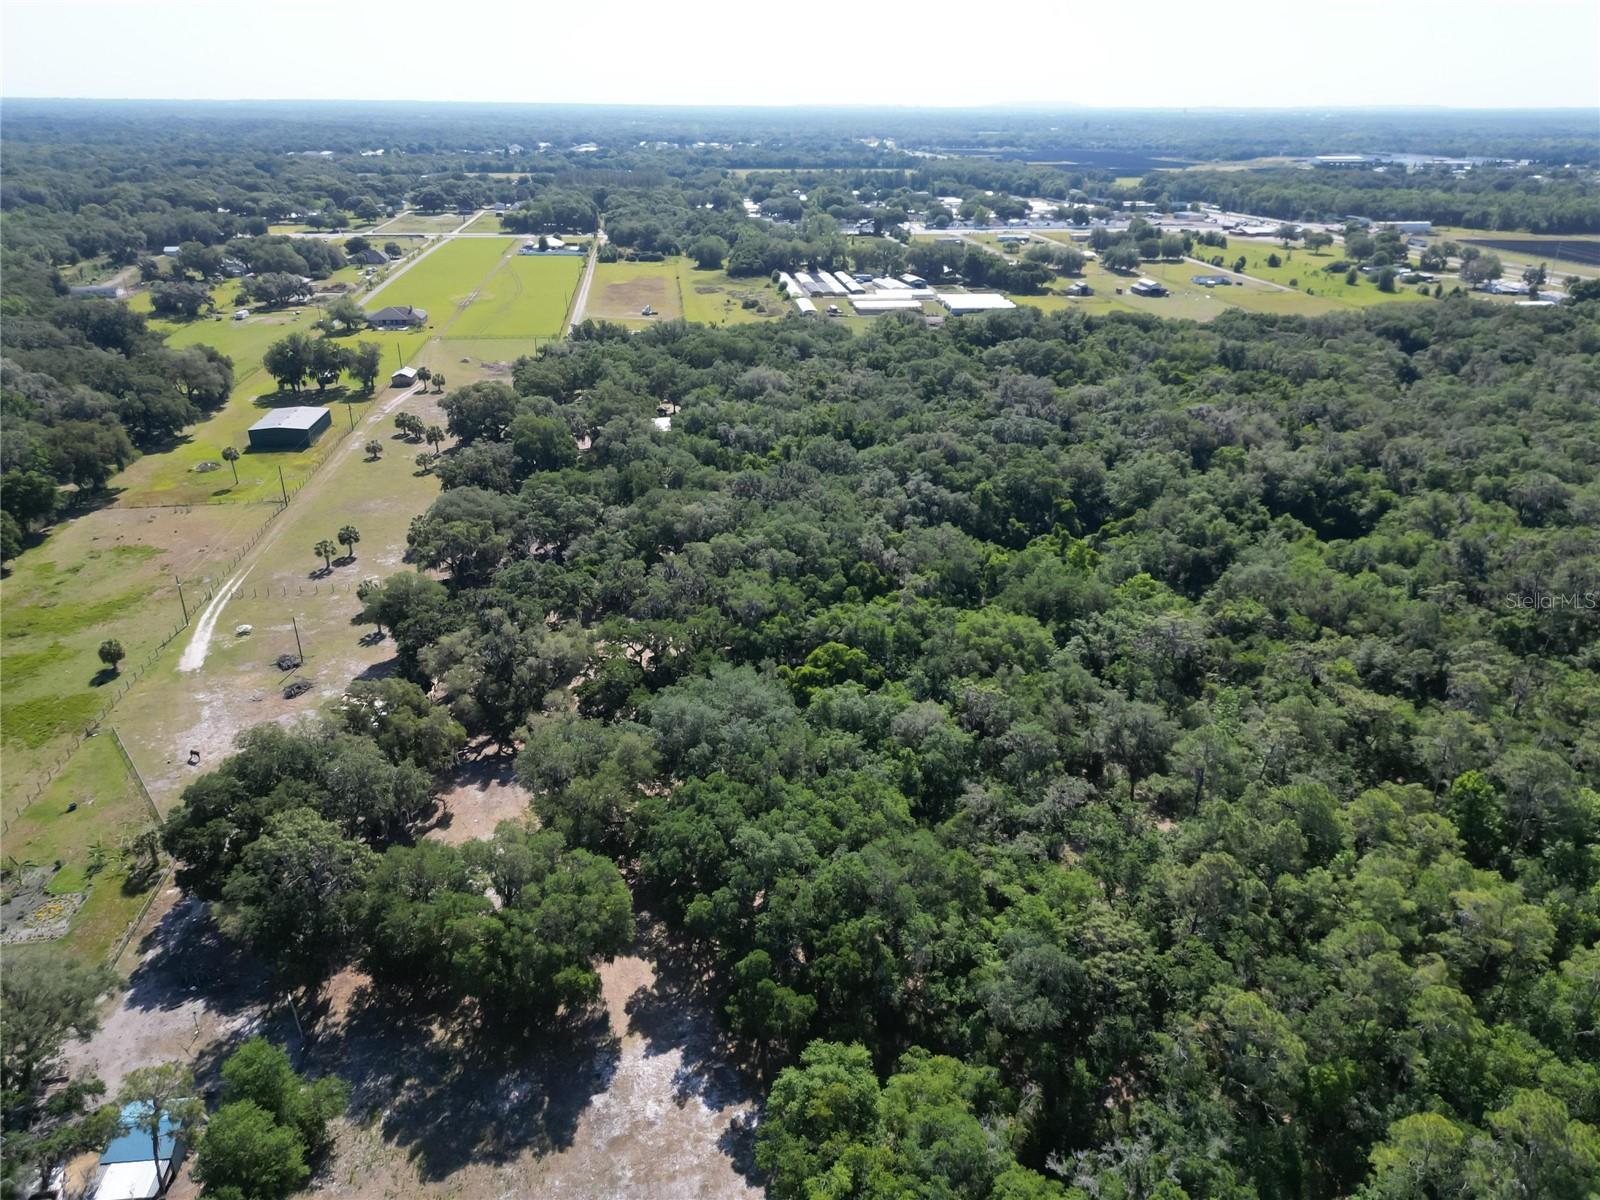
(133, 1144)
(292, 418)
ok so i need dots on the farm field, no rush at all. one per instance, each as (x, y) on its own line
(676, 288)
(527, 296)
(415, 222)
(170, 477)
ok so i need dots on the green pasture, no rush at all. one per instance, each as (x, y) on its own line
(1300, 268)
(108, 574)
(526, 296)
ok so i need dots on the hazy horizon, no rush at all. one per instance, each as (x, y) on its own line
(1164, 54)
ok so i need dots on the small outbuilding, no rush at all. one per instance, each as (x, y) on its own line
(404, 377)
(131, 1167)
(370, 257)
(1148, 287)
(289, 428)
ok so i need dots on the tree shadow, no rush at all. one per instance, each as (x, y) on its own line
(679, 1011)
(738, 1143)
(451, 1093)
(103, 676)
(379, 670)
(371, 638)
(186, 957)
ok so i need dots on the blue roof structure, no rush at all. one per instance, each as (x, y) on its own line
(134, 1144)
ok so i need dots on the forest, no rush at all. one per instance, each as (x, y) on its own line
(1091, 756)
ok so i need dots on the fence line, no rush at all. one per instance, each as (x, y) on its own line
(138, 779)
(144, 911)
(126, 679)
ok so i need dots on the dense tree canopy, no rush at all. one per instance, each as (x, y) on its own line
(1184, 731)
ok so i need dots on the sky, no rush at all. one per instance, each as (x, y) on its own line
(920, 53)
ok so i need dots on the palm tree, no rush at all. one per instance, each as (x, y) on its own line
(374, 449)
(324, 550)
(230, 455)
(438, 383)
(423, 375)
(348, 537)
(435, 436)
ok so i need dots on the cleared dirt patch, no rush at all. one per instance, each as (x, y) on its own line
(481, 794)
(626, 298)
(637, 1105)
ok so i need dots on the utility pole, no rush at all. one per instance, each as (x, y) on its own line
(283, 488)
(183, 604)
(297, 647)
(350, 411)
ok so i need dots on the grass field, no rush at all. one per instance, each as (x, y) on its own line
(442, 282)
(415, 222)
(676, 288)
(527, 296)
(170, 477)
(107, 574)
(1303, 269)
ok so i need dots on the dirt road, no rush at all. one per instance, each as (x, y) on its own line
(580, 301)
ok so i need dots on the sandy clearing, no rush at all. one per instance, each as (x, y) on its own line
(638, 1105)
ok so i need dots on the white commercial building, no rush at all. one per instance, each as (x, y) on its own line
(973, 302)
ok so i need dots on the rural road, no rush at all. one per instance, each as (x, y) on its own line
(581, 301)
(194, 654)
